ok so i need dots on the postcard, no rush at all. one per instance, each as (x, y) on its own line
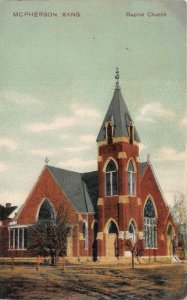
(93, 119)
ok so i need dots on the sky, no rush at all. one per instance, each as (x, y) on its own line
(57, 80)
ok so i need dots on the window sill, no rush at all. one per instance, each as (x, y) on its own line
(17, 249)
(150, 248)
(111, 196)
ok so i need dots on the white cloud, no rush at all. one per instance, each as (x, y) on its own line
(64, 136)
(142, 147)
(78, 115)
(152, 111)
(88, 138)
(169, 154)
(85, 113)
(56, 124)
(79, 165)
(3, 167)
(184, 121)
(18, 98)
(169, 198)
(76, 148)
(9, 144)
(42, 152)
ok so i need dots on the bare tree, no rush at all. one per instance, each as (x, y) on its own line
(48, 237)
(136, 248)
(179, 215)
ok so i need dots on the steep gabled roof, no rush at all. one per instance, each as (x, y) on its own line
(143, 167)
(119, 115)
(80, 188)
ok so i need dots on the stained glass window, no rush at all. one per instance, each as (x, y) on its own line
(150, 227)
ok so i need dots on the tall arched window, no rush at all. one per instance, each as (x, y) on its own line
(150, 225)
(131, 179)
(111, 179)
(132, 231)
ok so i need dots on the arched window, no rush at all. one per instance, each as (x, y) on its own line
(112, 228)
(85, 234)
(111, 179)
(131, 179)
(150, 226)
(132, 231)
(46, 211)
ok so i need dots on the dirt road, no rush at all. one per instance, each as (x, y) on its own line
(94, 282)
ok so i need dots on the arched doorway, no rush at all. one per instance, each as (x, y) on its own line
(112, 240)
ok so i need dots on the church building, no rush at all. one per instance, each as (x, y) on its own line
(120, 201)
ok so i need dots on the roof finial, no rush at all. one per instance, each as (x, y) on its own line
(117, 79)
(148, 158)
(46, 160)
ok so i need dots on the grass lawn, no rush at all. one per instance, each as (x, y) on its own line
(90, 281)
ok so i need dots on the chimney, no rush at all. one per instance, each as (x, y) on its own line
(8, 204)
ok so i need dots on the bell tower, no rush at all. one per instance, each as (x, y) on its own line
(118, 170)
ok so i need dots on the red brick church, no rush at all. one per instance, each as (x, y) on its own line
(121, 200)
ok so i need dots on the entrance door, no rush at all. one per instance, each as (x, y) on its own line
(111, 240)
(111, 244)
(69, 246)
(169, 246)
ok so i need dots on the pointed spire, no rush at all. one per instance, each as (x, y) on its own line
(119, 116)
(117, 80)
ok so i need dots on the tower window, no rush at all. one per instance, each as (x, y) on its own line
(131, 133)
(111, 179)
(131, 179)
(150, 225)
(109, 133)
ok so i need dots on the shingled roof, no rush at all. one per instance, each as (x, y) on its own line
(119, 115)
(80, 188)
